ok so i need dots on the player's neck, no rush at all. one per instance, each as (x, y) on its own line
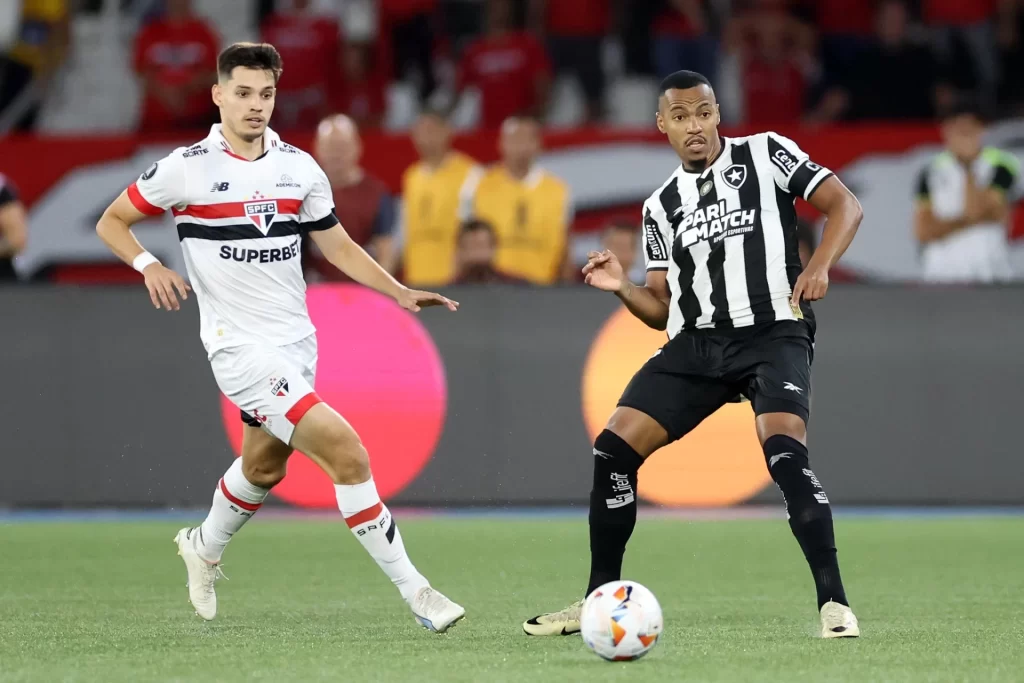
(243, 148)
(518, 171)
(435, 161)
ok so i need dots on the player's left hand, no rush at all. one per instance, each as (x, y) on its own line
(811, 285)
(413, 300)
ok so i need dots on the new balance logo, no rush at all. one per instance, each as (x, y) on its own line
(792, 387)
(775, 458)
(220, 187)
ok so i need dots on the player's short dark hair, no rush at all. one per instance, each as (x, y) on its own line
(963, 106)
(477, 225)
(262, 56)
(682, 80)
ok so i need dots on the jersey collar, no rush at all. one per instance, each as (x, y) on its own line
(270, 141)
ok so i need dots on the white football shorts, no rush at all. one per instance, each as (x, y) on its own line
(271, 385)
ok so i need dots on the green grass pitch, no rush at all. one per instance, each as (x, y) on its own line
(938, 600)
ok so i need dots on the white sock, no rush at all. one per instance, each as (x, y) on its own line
(235, 500)
(371, 522)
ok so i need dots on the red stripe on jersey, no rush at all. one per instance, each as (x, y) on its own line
(364, 516)
(302, 407)
(140, 203)
(251, 507)
(236, 209)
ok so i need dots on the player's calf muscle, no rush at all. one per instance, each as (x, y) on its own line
(780, 424)
(639, 430)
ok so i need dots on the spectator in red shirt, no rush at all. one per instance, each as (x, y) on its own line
(971, 22)
(363, 204)
(683, 39)
(408, 26)
(774, 85)
(176, 59)
(475, 253)
(310, 47)
(509, 67)
(362, 90)
(575, 33)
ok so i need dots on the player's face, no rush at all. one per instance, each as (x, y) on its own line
(431, 136)
(690, 119)
(246, 101)
(520, 143)
(963, 136)
(476, 249)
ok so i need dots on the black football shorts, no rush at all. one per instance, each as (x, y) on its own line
(699, 371)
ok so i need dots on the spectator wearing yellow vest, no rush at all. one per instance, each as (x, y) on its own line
(530, 209)
(435, 199)
(38, 51)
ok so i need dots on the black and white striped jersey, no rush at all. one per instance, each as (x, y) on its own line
(728, 236)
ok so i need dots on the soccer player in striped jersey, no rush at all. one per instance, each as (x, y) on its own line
(724, 279)
(242, 199)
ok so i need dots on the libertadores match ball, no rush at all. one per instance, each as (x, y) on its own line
(621, 621)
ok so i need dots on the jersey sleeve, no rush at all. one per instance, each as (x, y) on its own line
(657, 235)
(317, 212)
(793, 169)
(161, 186)
(8, 194)
(922, 192)
(1006, 174)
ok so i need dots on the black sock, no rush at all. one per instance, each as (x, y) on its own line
(810, 516)
(612, 506)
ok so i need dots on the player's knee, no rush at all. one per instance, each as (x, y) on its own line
(788, 425)
(348, 460)
(263, 474)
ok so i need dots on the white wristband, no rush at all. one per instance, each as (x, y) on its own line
(143, 260)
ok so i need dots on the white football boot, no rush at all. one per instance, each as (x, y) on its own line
(838, 621)
(563, 623)
(201, 574)
(434, 611)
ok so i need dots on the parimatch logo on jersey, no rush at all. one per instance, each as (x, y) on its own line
(715, 223)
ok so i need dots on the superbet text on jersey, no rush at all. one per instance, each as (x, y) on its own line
(240, 223)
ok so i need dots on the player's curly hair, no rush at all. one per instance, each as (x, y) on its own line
(263, 56)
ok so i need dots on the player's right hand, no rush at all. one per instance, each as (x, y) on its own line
(603, 271)
(164, 286)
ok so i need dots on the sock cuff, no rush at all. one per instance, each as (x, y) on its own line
(238, 489)
(357, 499)
(780, 443)
(608, 443)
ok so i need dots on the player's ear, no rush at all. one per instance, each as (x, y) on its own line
(217, 94)
(718, 114)
(661, 122)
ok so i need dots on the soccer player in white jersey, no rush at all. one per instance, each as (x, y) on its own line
(242, 199)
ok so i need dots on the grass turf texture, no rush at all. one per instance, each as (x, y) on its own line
(939, 600)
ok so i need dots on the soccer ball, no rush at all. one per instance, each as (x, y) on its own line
(621, 621)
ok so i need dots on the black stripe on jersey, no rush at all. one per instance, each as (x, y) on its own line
(754, 258)
(716, 262)
(238, 231)
(325, 223)
(787, 216)
(673, 204)
(803, 177)
(654, 243)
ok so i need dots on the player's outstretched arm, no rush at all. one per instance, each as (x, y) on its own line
(648, 303)
(351, 259)
(843, 214)
(114, 228)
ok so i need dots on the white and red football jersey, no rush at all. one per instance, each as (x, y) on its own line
(241, 223)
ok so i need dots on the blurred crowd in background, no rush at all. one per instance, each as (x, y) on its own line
(771, 61)
(517, 67)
